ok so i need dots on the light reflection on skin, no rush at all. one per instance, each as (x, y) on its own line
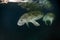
(6, 1)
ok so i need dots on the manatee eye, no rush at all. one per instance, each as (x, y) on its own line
(21, 20)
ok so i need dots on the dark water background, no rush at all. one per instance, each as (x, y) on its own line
(9, 15)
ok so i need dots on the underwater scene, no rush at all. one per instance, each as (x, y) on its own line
(29, 20)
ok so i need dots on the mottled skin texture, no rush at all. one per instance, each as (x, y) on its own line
(31, 15)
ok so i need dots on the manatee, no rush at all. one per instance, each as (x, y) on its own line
(30, 17)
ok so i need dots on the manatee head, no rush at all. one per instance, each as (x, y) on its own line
(21, 22)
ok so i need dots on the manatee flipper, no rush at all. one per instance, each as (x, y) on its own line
(35, 23)
(27, 24)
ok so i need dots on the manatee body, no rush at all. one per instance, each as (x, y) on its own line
(30, 17)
